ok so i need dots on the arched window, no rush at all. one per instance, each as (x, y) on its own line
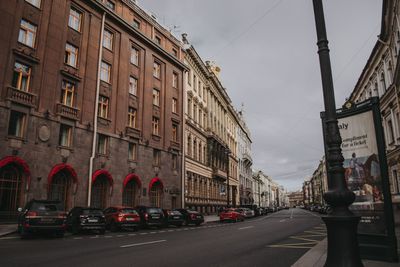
(100, 191)
(60, 188)
(155, 194)
(10, 191)
(130, 194)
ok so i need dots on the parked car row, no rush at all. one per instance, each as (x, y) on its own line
(46, 216)
(323, 209)
(242, 213)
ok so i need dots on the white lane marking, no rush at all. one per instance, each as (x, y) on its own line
(152, 232)
(78, 237)
(291, 214)
(9, 237)
(143, 234)
(108, 236)
(131, 234)
(282, 220)
(144, 243)
(170, 230)
(120, 235)
(247, 227)
(161, 231)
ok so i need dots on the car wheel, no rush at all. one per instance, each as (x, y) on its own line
(59, 234)
(75, 229)
(102, 231)
(24, 233)
(113, 227)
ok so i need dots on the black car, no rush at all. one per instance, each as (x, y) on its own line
(44, 216)
(173, 217)
(81, 219)
(191, 216)
(151, 216)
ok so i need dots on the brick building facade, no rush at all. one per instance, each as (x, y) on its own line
(91, 105)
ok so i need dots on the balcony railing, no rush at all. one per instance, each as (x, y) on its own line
(67, 111)
(21, 97)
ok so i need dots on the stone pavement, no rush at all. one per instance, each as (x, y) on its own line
(316, 257)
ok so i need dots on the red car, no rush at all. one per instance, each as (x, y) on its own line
(233, 215)
(120, 217)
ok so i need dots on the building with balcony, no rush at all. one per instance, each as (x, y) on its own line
(381, 78)
(91, 105)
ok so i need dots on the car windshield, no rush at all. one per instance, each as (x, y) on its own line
(45, 206)
(92, 212)
(132, 211)
(154, 210)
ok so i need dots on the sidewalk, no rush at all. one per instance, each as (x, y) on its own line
(316, 257)
(6, 229)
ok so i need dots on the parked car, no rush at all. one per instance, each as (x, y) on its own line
(173, 217)
(86, 219)
(41, 216)
(150, 216)
(191, 216)
(246, 212)
(120, 217)
(231, 214)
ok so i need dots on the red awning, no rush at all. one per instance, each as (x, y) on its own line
(130, 177)
(155, 180)
(62, 167)
(20, 163)
(100, 173)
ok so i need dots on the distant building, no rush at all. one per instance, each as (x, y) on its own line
(296, 198)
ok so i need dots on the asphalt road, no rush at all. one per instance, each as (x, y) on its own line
(278, 239)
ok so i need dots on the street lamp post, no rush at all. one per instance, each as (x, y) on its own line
(341, 224)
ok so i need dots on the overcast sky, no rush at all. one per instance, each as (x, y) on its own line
(268, 56)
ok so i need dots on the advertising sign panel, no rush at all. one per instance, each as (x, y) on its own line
(366, 174)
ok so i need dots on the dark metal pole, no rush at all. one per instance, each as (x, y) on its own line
(341, 224)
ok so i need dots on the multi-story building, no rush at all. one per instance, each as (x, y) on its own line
(91, 105)
(380, 77)
(296, 198)
(245, 162)
(210, 137)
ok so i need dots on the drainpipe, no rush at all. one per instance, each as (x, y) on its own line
(96, 110)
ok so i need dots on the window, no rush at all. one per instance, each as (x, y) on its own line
(136, 24)
(174, 105)
(175, 52)
(189, 77)
(157, 40)
(383, 82)
(391, 131)
(195, 112)
(156, 97)
(189, 145)
(174, 132)
(74, 20)
(71, 55)
(156, 157)
(27, 33)
(155, 126)
(67, 93)
(134, 56)
(16, 125)
(35, 3)
(103, 107)
(108, 39)
(132, 151)
(189, 107)
(102, 143)
(174, 162)
(105, 73)
(156, 70)
(132, 117)
(65, 138)
(21, 77)
(133, 83)
(174, 80)
(110, 4)
(195, 83)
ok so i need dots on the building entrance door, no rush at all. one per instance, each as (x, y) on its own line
(10, 192)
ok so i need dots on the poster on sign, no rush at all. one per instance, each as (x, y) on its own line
(366, 174)
(362, 171)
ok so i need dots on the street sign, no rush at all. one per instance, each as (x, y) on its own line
(366, 174)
